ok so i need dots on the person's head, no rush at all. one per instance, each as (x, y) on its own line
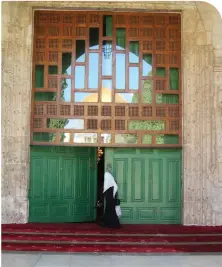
(109, 167)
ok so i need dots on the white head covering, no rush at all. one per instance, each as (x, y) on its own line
(109, 182)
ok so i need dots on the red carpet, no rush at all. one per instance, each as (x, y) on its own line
(94, 228)
(92, 238)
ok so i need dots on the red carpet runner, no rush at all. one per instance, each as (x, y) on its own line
(91, 238)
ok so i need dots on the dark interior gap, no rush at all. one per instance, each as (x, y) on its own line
(100, 180)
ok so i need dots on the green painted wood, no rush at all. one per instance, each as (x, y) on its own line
(62, 184)
(149, 184)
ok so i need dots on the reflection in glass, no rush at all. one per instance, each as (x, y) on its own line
(146, 125)
(126, 98)
(77, 124)
(134, 52)
(94, 38)
(66, 63)
(45, 96)
(44, 137)
(80, 51)
(53, 123)
(106, 91)
(120, 39)
(86, 97)
(147, 65)
(39, 76)
(107, 58)
(120, 71)
(93, 82)
(147, 91)
(65, 137)
(85, 138)
(167, 139)
(160, 72)
(133, 78)
(65, 93)
(147, 139)
(174, 79)
(126, 139)
(167, 99)
(53, 70)
(80, 77)
(107, 26)
(106, 138)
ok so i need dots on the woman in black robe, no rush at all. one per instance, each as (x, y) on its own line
(110, 188)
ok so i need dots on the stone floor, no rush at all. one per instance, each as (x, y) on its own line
(89, 260)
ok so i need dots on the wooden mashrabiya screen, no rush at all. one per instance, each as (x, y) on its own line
(107, 79)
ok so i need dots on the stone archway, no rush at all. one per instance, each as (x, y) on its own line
(202, 114)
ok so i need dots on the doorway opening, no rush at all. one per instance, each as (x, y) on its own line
(100, 181)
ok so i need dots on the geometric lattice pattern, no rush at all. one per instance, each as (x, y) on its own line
(107, 80)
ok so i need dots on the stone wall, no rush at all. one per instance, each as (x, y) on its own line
(16, 99)
(202, 104)
(202, 116)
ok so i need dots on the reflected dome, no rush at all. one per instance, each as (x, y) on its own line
(106, 96)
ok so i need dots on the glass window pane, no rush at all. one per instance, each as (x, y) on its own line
(66, 86)
(45, 96)
(39, 76)
(56, 123)
(80, 77)
(107, 25)
(147, 91)
(65, 137)
(160, 72)
(106, 138)
(126, 98)
(66, 63)
(174, 79)
(126, 139)
(85, 138)
(107, 58)
(93, 81)
(80, 51)
(94, 38)
(120, 71)
(134, 52)
(77, 124)
(120, 39)
(53, 70)
(106, 91)
(167, 99)
(147, 139)
(133, 78)
(44, 137)
(86, 97)
(167, 139)
(146, 125)
(147, 65)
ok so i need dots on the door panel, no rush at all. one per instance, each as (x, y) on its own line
(149, 183)
(62, 184)
(52, 178)
(156, 181)
(69, 178)
(138, 180)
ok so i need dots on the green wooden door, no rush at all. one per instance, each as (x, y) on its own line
(62, 184)
(149, 184)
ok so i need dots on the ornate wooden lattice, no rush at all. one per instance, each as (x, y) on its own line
(107, 79)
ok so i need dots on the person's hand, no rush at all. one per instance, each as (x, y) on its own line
(99, 204)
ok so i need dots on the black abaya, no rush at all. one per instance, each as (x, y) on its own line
(110, 218)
